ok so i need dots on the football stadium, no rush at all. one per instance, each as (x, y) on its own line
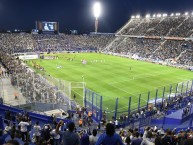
(132, 87)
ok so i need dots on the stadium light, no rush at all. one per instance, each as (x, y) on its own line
(132, 17)
(186, 13)
(138, 16)
(178, 14)
(165, 15)
(147, 16)
(154, 15)
(172, 14)
(97, 13)
(159, 15)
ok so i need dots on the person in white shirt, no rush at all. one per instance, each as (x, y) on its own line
(56, 136)
(24, 132)
(37, 131)
(147, 138)
(8, 127)
(93, 138)
(116, 123)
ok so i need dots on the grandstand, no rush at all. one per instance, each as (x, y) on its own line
(164, 40)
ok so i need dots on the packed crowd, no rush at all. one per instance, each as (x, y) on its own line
(32, 86)
(26, 131)
(23, 42)
(173, 26)
(176, 51)
(156, 48)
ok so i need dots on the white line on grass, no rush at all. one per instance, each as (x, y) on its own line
(147, 75)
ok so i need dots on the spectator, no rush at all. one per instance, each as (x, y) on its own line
(37, 132)
(93, 138)
(2, 137)
(84, 138)
(24, 131)
(188, 142)
(168, 138)
(110, 137)
(136, 140)
(69, 137)
(148, 138)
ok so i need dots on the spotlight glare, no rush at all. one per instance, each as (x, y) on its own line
(186, 13)
(133, 17)
(178, 14)
(159, 15)
(138, 16)
(172, 14)
(147, 16)
(165, 15)
(97, 9)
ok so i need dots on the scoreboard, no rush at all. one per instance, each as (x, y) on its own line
(47, 27)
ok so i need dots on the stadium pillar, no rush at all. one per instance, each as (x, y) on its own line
(139, 102)
(84, 100)
(96, 99)
(129, 109)
(85, 97)
(176, 90)
(187, 87)
(170, 91)
(1, 100)
(163, 95)
(190, 123)
(191, 86)
(156, 96)
(182, 87)
(101, 109)
(69, 91)
(163, 121)
(116, 107)
(92, 101)
(34, 88)
(96, 25)
(1, 123)
(148, 100)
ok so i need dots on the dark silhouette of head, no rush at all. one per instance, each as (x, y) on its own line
(136, 134)
(149, 134)
(94, 132)
(110, 129)
(71, 126)
(37, 123)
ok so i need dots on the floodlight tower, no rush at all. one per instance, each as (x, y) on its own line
(97, 12)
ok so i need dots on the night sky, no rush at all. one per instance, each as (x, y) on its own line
(77, 14)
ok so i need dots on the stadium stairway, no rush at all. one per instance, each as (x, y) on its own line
(9, 91)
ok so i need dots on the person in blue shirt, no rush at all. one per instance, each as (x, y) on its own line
(69, 136)
(2, 137)
(84, 140)
(136, 140)
(109, 137)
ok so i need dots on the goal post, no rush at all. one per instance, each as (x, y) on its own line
(78, 92)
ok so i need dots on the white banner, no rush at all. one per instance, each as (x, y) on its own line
(25, 57)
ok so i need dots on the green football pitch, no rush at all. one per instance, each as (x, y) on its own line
(116, 77)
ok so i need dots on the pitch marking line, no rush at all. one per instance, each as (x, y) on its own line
(147, 75)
